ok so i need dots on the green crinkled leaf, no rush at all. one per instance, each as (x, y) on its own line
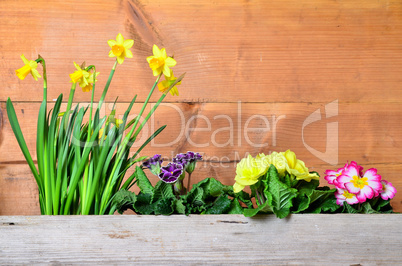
(213, 188)
(220, 206)
(163, 206)
(348, 208)
(179, 206)
(124, 200)
(163, 190)
(143, 182)
(300, 203)
(235, 207)
(329, 205)
(280, 193)
(263, 208)
(383, 206)
(367, 209)
(143, 204)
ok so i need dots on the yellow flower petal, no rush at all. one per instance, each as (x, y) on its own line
(23, 72)
(129, 54)
(111, 54)
(170, 62)
(120, 59)
(128, 44)
(156, 51)
(24, 59)
(119, 39)
(237, 187)
(111, 43)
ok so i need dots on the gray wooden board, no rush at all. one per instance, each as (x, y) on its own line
(321, 239)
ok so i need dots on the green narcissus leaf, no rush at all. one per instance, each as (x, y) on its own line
(280, 193)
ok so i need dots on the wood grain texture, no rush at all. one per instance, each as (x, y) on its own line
(292, 51)
(205, 239)
(282, 60)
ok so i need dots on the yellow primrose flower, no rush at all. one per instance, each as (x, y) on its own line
(87, 83)
(248, 171)
(298, 168)
(164, 85)
(120, 48)
(160, 62)
(30, 67)
(275, 158)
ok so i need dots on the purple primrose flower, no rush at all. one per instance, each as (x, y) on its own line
(171, 172)
(153, 164)
(188, 160)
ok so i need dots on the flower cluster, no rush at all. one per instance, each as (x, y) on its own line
(355, 187)
(174, 171)
(97, 170)
(250, 169)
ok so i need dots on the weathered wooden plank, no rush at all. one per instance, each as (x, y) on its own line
(259, 51)
(19, 194)
(216, 239)
(362, 132)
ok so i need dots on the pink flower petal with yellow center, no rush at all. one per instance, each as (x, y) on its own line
(347, 175)
(388, 191)
(343, 195)
(373, 180)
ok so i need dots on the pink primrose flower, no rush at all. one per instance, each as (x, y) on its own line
(387, 191)
(365, 187)
(343, 195)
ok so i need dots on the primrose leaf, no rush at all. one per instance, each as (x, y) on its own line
(143, 204)
(163, 206)
(280, 193)
(263, 208)
(124, 200)
(235, 207)
(163, 190)
(143, 182)
(221, 205)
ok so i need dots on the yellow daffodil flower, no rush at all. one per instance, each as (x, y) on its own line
(248, 171)
(30, 67)
(120, 48)
(80, 75)
(160, 62)
(298, 168)
(87, 84)
(164, 85)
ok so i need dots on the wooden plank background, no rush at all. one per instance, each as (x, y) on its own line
(202, 239)
(281, 60)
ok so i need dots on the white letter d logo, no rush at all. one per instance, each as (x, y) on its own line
(331, 151)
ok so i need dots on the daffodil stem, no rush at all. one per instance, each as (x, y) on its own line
(71, 97)
(109, 80)
(122, 149)
(42, 61)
